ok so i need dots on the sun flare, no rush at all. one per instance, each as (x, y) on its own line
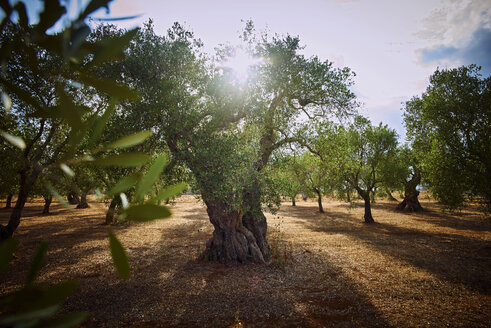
(240, 64)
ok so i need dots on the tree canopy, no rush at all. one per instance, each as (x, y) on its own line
(448, 126)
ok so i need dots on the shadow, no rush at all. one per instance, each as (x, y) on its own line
(453, 257)
(170, 288)
(462, 221)
(68, 234)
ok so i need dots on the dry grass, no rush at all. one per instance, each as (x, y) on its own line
(408, 270)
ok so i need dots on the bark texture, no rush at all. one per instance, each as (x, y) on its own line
(237, 238)
(410, 203)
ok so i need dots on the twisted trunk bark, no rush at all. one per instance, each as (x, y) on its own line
(410, 203)
(237, 238)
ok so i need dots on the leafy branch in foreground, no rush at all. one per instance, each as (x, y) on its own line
(35, 304)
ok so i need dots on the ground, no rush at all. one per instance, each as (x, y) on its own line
(329, 270)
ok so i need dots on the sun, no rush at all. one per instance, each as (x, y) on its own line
(240, 65)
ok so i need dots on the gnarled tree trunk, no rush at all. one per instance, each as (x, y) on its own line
(83, 201)
(319, 199)
(47, 203)
(410, 203)
(8, 203)
(239, 235)
(237, 238)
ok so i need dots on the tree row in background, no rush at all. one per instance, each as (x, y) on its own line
(290, 128)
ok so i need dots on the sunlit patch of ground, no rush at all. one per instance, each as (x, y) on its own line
(331, 270)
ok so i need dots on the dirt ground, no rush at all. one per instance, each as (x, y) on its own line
(330, 270)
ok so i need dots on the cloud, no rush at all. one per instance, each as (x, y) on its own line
(475, 51)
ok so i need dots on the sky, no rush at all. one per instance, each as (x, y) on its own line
(393, 46)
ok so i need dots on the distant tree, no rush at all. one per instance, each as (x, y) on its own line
(364, 154)
(314, 177)
(285, 171)
(449, 128)
(407, 174)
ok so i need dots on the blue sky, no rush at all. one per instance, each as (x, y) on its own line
(392, 45)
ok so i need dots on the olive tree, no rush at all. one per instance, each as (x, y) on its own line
(225, 131)
(363, 155)
(448, 127)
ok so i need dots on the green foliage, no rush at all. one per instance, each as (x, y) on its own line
(124, 184)
(131, 140)
(361, 154)
(151, 176)
(448, 126)
(146, 212)
(169, 192)
(119, 256)
(35, 305)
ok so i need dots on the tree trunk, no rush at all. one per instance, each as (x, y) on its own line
(239, 235)
(319, 199)
(83, 201)
(47, 203)
(410, 203)
(348, 197)
(110, 212)
(8, 203)
(293, 201)
(72, 198)
(389, 195)
(368, 210)
(373, 196)
(25, 186)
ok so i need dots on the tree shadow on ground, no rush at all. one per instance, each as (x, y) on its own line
(453, 257)
(70, 236)
(171, 288)
(461, 221)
